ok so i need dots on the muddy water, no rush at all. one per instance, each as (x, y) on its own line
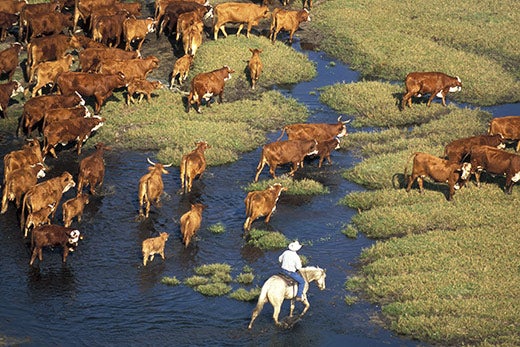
(103, 295)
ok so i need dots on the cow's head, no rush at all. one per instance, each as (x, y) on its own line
(68, 181)
(41, 172)
(202, 145)
(158, 166)
(164, 236)
(465, 171)
(229, 72)
(457, 85)
(343, 128)
(73, 239)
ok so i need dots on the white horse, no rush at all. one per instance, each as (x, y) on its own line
(276, 289)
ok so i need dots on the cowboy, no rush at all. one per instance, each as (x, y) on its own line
(291, 263)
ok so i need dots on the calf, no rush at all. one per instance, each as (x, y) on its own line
(46, 193)
(53, 235)
(154, 245)
(434, 83)
(12, 6)
(283, 152)
(287, 20)
(261, 203)
(255, 66)
(190, 222)
(90, 58)
(9, 60)
(136, 30)
(19, 181)
(74, 208)
(496, 162)
(192, 38)
(37, 218)
(7, 91)
(47, 72)
(186, 20)
(34, 109)
(142, 87)
(92, 170)
(235, 12)
(175, 8)
(326, 147)
(315, 131)
(30, 154)
(100, 86)
(507, 127)
(181, 68)
(108, 29)
(193, 164)
(207, 84)
(47, 48)
(457, 150)
(439, 170)
(151, 187)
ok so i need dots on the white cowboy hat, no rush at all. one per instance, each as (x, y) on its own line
(295, 246)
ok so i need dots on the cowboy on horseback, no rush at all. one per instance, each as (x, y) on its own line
(291, 263)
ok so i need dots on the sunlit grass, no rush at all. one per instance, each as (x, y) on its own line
(264, 239)
(294, 187)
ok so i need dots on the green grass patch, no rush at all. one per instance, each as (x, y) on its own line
(267, 240)
(294, 187)
(245, 278)
(243, 294)
(170, 281)
(217, 228)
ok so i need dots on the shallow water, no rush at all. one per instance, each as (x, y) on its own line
(103, 295)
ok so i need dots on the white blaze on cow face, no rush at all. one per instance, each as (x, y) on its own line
(87, 112)
(208, 14)
(455, 89)
(19, 89)
(466, 170)
(207, 96)
(516, 177)
(41, 173)
(501, 146)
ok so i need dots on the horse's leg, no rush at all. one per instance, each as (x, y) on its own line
(292, 308)
(306, 304)
(276, 312)
(257, 310)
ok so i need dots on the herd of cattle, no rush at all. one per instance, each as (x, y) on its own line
(63, 118)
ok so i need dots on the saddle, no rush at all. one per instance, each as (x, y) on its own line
(288, 279)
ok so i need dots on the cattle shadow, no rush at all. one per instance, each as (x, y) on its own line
(45, 282)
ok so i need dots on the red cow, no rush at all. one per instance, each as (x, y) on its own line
(92, 170)
(53, 235)
(208, 84)
(507, 127)
(457, 150)
(19, 181)
(434, 83)
(90, 58)
(47, 72)
(37, 218)
(440, 170)
(7, 21)
(74, 208)
(255, 66)
(236, 12)
(30, 154)
(193, 164)
(315, 131)
(7, 91)
(154, 245)
(283, 152)
(143, 88)
(9, 60)
(190, 222)
(287, 20)
(136, 30)
(496, 162)
(131, 68)
(181, 68)
(326, 147)
(261, 203)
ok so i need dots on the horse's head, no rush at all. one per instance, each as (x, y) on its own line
(320, 281)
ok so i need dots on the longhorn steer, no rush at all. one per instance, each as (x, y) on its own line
(151, 187)
(261, 203)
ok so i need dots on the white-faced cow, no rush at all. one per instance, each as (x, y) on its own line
(53, 235)
(507, 127)
(434, 83)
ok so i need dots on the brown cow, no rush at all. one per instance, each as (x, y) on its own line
(90, 58)
(457, 150)
(47, 48)
(160, 6)
(282, 152)
(151, 187)
(496, 162)
(101, 86)
(143, 88)
(84, 8)
(261, 203)
(53, 235)
(507, 127)
(12, 6)
(37, 218)
(136, 30)
(47, 72)
(36, 12)
(192, 38)
(168, 16)
(154, 245)
(315, 131)
(440, 170)
(92, 170)
(46, 193)
(34, 109)
(30, 154)
(9, 60)
(193, 164)
(207, 84)
(181, 68)
(51, 23)
(82, 42)
(73, 129)
(7, 91)
(190, 222)
(326, 147)
(108, 29)
(63, 114)
(287, 20)
(255, 66)
(7, 21)
(131, 68)
(236, 12)
(188, 19)
(434, 83)
(74, 208)
(19, 181)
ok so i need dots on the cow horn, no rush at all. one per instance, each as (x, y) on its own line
(345, 122)
(151, 162)
(168, 165)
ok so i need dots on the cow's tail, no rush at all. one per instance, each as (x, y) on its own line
(22, 216)
(281, 135)
(185, 175)
(405, 175)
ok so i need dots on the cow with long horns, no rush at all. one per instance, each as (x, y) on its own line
(151, 187)
(315, 131)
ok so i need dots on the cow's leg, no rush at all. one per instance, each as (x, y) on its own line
(33, 256)
(509, 183)
(259, 169)
(240, 27)
(40, 254)
(65, 253)
(411, 179)
(431, 98)
(517, 146)
(223, 29)
(272, 170)
(420, 181)
(291, 34)
(247, 224)
(477, 177)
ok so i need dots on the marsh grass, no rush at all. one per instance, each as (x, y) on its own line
(243, 294)
(170, 281)
(217, 228)
(267, 240)
(381, 40)
(294, 187)
(245, 278)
